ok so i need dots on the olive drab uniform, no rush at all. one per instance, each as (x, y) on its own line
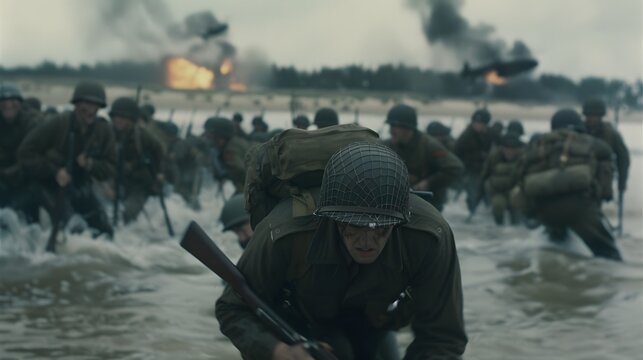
(473, 148)
(499, 178)
(233, 156)
(609, 135)
(13, 187)
(560, 177)
(426, 158)
(293, 253)
(45, 150)
(184, 171)
(141, 155)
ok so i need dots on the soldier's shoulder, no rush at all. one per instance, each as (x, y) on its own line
(290, 216)
(426, 218)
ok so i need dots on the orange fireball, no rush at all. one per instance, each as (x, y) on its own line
(183, 74)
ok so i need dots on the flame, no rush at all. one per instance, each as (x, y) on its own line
(226, 67)
(181, 73)
(237, 86)
(493, 78)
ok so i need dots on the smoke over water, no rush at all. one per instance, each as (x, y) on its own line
(144, 30)
(456, 39)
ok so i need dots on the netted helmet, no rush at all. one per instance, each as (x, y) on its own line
(89, 91)
(515, 127)
(125, 107)
(10, 91)
(594, 107)
(402, 115)
(365, 184)
(234, 212)
(326, 117)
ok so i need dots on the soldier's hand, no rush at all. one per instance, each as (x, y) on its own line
(62, 177)
(284, 351)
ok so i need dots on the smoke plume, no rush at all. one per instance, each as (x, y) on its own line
(445, 27)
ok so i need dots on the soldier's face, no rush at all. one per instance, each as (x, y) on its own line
(9, 109)
(400, 135)
(86, 111)
(122, 124)
(364, 244)
(592, 121)
(479, 126)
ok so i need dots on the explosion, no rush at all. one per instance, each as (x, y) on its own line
(493, 78)
(183, 74)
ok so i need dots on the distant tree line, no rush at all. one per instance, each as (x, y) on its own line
(385, 78)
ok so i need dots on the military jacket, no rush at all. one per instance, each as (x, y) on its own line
(233, 157)
(499, 172)
(142, 157)
(473, 148)
(11, 135)
(426, 158)
(608, 134)
(44, 151)
(290, 246)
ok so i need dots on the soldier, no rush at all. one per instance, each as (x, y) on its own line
(154, 127)
(66, 152)
(342, 269)
(230, 151)
(182, 166)
(496, 130)
(301, 122)
(499, 177)
(441, 133)
(140, 158)
(472, 147)
(16, 121)
(325, 117)
(259, 132)
(237, 119)
(431, 166)
(235, 218)
(594, 110)
(559, 177)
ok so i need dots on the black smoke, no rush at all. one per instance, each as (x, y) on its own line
(444, 25)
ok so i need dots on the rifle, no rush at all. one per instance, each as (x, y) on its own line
(197, 243)
(619, 227)
(60, 199)
(118, 183)
(168, 222)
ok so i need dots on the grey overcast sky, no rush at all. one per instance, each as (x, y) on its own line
(576, 38)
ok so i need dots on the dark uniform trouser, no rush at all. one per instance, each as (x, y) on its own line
(135, 199)
(581, 214)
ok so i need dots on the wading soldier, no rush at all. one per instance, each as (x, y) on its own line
(431, 166)
(140, 158)
(70, 150)
(325, 117)
(16, 121)
(229, 152)
(472, 147)
(594, 111)
(342, 270)
(441, 133)
(559, 176)
(234, 217)
(499, 177)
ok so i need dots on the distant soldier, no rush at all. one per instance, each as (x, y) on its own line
(559, 177)
(515, 127)
(441, 133)
(182, 166)
(16, 121)
(301, 122)
(499, 177)
(259, 130)
(140, 158)
(472, 147)
(237, 119)
(153, 126)
(229, 151)
(325, 117)
(594, 110)
(431, 166)
(496, 130)
(70, 150)
(234, 217)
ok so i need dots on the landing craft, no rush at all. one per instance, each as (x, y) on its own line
(215, 31)
(502, 69)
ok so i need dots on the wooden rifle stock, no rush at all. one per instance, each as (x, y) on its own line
(199, 244)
